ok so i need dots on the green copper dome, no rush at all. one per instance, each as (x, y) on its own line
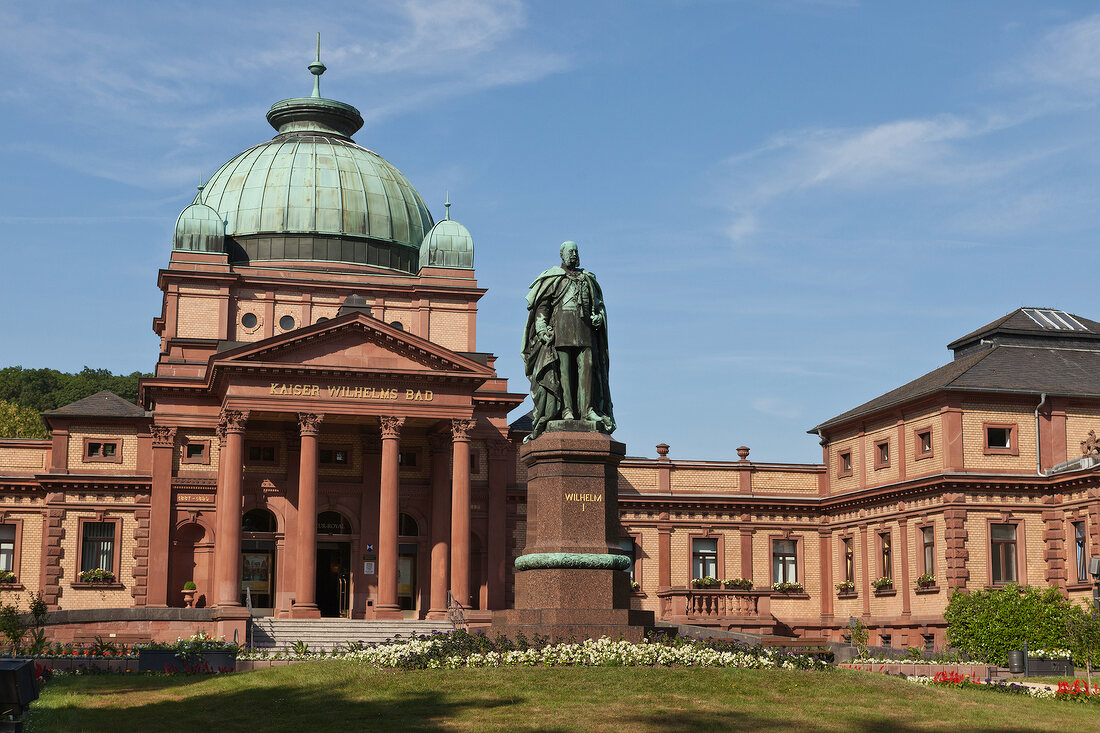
(312, 193)
(447, 244)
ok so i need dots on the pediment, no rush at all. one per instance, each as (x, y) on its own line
(354, 342)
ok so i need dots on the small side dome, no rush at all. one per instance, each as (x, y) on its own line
(199, 229)
(447, 244)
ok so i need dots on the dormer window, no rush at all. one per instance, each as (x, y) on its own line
(844, 463)
(97, 450)
(1000, 438)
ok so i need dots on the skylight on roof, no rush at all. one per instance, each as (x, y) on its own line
(1054, 320)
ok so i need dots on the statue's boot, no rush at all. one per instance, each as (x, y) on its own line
(593, 415)
(567, 414)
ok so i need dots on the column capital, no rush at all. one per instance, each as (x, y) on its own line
(499, 448)
(164, 436)
(231, 421)
(309, 423)
(460, 429)
(391, 426)
(439, 443)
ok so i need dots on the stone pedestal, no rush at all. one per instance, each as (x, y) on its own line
(571, 580)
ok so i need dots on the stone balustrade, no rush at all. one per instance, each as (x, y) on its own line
(729, 609)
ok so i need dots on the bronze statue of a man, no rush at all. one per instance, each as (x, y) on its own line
(565, 346)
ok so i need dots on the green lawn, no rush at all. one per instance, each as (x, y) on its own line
(342, 695)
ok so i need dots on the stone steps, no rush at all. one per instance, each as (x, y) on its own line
(328, 633)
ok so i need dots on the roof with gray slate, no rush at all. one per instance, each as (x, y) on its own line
(101, 404)
(1046, 366)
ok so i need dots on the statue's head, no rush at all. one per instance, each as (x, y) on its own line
(570, 257)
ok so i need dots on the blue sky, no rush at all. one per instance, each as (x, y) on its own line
(792, 206)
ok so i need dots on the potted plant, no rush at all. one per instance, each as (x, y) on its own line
(846, 587)
(199, 653)
(189, 589)
(739, 584)
(707, 582)
(635, 586)
(7, 576)
(927, 580)
(883, 583)
(788, 586)
(97, 575)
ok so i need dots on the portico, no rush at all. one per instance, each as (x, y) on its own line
(355, 418)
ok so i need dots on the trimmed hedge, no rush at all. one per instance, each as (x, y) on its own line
(988, 624)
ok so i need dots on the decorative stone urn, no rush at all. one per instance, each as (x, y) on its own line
(189, 597)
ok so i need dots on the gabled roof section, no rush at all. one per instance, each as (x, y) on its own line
(1035, 322)
(1005, 369)
(354, 341)
(931, 382)
(101, 404)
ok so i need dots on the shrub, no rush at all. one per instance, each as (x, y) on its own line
(190, 585)
(988, 624)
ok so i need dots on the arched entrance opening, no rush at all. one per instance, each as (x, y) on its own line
(334, 537)
(408, 552)
(191, 555)
(258, 528)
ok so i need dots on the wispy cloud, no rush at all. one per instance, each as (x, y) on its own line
(775, 407)
(145, 73)
(961, 151)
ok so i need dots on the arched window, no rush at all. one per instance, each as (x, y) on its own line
(407, 526)
(332, 523)
(258, 520)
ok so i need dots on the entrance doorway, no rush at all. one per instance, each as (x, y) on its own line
(333, 578)
(406, 576)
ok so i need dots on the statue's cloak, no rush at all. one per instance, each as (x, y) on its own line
(540, 359)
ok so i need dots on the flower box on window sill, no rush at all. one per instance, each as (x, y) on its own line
(928, 589)
(886, 590)
(776, 596)
(77, 585)
(846, 594)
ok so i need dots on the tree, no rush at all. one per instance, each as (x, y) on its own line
(988, 624)
(39, 390)
(17, 421)
(1083, 633)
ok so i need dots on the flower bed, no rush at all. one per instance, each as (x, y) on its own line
(462, 649)
(1076, 691)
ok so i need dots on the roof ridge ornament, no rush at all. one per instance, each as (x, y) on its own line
(447, 205)
(317, 68)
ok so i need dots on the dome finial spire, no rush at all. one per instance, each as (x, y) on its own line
(447, 205)
(317, 68)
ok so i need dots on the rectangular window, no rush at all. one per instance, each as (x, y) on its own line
(97, 549)
(407, 459)
(887, 555)
(196, 451)
(928, 540)
(704, 558)
(1000, 439)
(849, 561)
(475, 462)
(626, 544)
(1081, 549)
(844, 463)
(261, 454)
(1002, 539)
(784, 561)
(102, 451)
(924, 443)
(334, 456)
(882, 454)
(7, 547)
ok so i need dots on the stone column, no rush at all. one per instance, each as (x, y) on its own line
(160, 519)
(228, 553)
(500, 451)
(388, 504)
(305, 577)
(460, 511)
(441, 525)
